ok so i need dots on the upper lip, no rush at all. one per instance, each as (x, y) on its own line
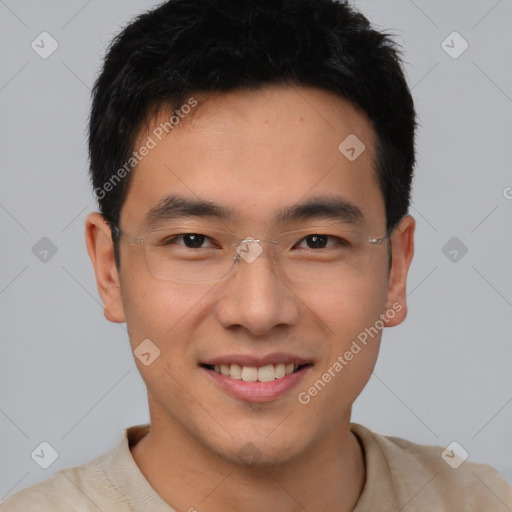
(258, 361)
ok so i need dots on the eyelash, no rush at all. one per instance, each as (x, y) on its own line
(169, 241)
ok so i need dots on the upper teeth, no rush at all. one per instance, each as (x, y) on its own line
(252, 373)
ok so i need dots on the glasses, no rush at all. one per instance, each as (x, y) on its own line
(200, 254)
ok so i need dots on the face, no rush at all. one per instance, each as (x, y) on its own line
(263, 162)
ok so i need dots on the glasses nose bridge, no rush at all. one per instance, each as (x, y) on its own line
(250, 249)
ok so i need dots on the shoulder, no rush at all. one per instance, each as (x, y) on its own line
(422, 477)
(81, 488)
(105, 483)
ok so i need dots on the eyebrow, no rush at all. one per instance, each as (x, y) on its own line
(331, 208)
(327, 207)
(175, 207)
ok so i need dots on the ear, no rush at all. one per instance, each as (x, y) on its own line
(402, 243)
(101, 251)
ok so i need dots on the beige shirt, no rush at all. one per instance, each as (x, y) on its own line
(401, 476)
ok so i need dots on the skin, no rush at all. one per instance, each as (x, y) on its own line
(255, 152)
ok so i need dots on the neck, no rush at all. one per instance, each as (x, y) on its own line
(328, 476)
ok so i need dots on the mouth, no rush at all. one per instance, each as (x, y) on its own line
(257, 379)
(250, 373)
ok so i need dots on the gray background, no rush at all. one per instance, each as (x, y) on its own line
(67, 376)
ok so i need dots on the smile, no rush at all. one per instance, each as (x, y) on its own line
(266, 373)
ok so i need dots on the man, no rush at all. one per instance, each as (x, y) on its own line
(253, 164)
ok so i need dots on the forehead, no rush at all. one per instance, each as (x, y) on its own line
(257, 152)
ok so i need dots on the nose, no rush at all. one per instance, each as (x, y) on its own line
(254, 296)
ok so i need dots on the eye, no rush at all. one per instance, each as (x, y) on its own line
(189, 240)
(319, 241)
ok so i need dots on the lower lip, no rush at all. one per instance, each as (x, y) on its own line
(258, 391)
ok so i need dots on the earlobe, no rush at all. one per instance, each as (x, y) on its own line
(402, 240)
(101, 251)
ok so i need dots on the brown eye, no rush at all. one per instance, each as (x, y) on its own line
(188, 240)
(320, 241)
(193, 240)
(316, 241)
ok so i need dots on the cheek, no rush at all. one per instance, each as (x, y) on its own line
(352, 314)
(163, 313)
(158, 310)
(350, 306)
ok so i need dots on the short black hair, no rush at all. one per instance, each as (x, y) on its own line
(183, 47)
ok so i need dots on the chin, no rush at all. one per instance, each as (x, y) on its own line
(253, 451)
